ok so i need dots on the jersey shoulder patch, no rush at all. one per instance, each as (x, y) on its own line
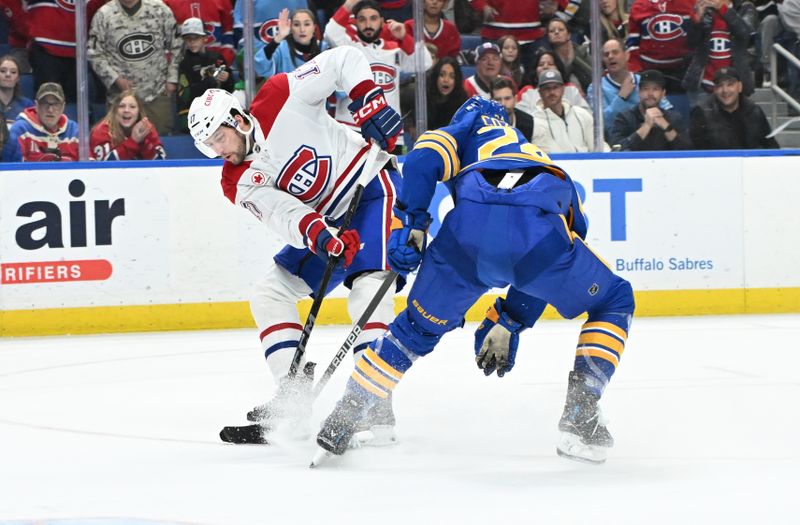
(231, 174)
(269, 101)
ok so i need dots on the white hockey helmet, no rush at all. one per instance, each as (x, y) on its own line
(208, 112)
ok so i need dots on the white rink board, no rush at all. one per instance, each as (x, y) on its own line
(181, 241)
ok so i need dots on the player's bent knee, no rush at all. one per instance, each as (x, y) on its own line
(412, 335)
(619, 298)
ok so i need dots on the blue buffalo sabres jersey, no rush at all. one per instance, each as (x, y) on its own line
(480, 138)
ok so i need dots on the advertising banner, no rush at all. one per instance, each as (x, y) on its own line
(112, 235)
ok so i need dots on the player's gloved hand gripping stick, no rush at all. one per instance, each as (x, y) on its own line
(407, 244)
(377, 120)
(367, 172)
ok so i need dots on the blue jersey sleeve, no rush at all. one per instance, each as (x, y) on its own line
(577, 218)
(433, 159)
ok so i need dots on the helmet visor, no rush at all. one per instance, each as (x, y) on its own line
(211, 145)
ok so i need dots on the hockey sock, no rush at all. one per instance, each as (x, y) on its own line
(379, 369)
(600, 348)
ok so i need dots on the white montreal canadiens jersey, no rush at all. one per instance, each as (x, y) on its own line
(303, 163)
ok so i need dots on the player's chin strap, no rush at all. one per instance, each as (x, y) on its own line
(248, 135)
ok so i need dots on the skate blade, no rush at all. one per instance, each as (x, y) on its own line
(245, 435)
(320, 457)
(376, 436)
(571, 447)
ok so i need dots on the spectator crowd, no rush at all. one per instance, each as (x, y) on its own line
(677, 74)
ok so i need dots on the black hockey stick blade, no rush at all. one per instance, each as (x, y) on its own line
(245, 435)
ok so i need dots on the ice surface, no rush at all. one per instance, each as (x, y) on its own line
(704, 411)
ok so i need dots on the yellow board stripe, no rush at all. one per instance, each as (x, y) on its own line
(608, 327)
(369, 387)
(373, 374)
(599, 353)
(602, 339)
(438, 148)
(382, 365)
(236, 314)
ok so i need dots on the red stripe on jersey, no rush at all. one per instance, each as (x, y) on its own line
(269, 101)
(376, 326)
(280, 326)
(306, 221)
(388, 190)
(231, 173)
(345, 174)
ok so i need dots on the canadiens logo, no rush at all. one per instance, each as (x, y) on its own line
(258, 178)
(666, 26)
(210, 36)
(306, 174)
(384, 75)
(719, 45)
(137, 46)
(66, 5)
(267, 30)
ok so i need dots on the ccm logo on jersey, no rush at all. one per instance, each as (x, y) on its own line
(665, 26)
(306, 174)
(384, 75)
(137, 46)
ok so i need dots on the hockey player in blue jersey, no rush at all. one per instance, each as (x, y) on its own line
(517, 221)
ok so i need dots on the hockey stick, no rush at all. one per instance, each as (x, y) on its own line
(363, 179)
(354, 333)
(252, 434)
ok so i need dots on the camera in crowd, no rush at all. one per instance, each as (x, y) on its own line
(212, 71)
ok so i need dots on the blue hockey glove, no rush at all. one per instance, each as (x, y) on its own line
(496, 341)
(377, 120)
(408, 243)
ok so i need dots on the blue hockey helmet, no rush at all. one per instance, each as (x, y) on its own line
(477, 106)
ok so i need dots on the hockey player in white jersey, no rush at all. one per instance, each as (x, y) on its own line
(295, 169)
(387, 57)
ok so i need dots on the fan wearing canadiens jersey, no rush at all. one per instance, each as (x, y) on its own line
(658, 38)
(387, 57)
(296, 169)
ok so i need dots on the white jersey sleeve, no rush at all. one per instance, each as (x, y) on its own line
(337, 69)
(284, 214)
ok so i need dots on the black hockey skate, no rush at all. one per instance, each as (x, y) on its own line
(291, 404)
(340, 427)
(292, 400)
(584, 436)
(377, 427)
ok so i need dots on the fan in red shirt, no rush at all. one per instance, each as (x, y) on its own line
(438, 31)
(126, 133)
